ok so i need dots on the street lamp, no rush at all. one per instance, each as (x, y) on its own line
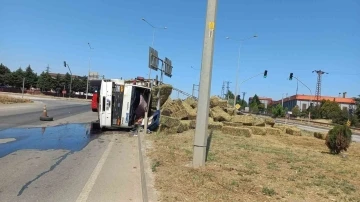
(153, 38)
(238, 68)
(87, 83)
(66, 64)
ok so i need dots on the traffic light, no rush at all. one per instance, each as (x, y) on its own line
(291, 76)
(238, 97)
(64, 63)
(265, 73)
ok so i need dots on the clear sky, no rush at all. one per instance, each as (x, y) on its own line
(296, 36)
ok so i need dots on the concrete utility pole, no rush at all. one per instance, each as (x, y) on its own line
(200, 140)
(87, 83)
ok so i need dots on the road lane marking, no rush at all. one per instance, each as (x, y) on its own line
(83, 196)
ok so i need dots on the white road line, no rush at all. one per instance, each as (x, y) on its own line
(83, 196)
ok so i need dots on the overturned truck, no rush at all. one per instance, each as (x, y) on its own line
(123, 103)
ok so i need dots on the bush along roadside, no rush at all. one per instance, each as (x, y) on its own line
(338, 139)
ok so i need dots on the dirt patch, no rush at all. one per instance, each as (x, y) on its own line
(260, 168)
(4, 99)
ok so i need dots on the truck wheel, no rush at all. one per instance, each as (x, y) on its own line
(46, 118)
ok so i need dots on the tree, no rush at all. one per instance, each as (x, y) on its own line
(357, 104)
(278, 111)
(17, 78)
(229, 95)
(255, 100)
(46, 82)
(30, 77)
(329, 109)
(67, 80)
(314, 111)
(4, 74)
(296, 111)
(261, 107)
(338, 139)
(254, 109)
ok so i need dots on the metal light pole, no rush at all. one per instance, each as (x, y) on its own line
(153, 38)
(66, 64)
(238, 68)
(200, 140)
(87, 83)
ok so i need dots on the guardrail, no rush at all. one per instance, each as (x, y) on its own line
(185, 93)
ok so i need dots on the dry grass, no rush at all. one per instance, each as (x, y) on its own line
(259, 168)
(4, 99)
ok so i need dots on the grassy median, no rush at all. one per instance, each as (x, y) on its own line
(4, 99)
(258, 168)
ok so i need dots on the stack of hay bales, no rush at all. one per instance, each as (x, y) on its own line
(182, 116)
(165, 92)
(178, 109)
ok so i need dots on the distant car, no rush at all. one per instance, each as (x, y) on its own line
(95, 102)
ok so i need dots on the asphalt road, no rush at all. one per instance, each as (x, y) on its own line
(17, 115)
(62, 160)
(355, 136)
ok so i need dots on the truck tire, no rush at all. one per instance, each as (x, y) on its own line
(46, 118)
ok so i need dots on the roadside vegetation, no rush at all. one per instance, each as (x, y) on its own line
(257, 168)
(4, 99)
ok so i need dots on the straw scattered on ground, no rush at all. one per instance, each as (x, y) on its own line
(4, 99)
(257, 168)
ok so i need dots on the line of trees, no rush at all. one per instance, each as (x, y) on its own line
(325, 110)
(44, 81)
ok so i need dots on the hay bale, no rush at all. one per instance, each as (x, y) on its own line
(191, 101)
(191, 112)
(166, 130)
(230, 110)
(184, 126)
(256, 130)
(215, 125)
(214, 101)
(223, 103)
(186, 122)
(175, 109)
(269, 121)
(219, 114)
(170, 125)
(281, 127)
(259, 122)
(293, 131)
(273, 131)
(165, 92)
(320, 135)
(169, 122)
(236, 131)
(246, 120)
(193, 123)
(228, 123)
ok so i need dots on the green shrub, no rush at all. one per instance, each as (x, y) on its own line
(338, 139)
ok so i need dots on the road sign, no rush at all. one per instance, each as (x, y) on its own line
(64, 92)
(237, 106)
(153, 59)
(168, 67)
(348, 123)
